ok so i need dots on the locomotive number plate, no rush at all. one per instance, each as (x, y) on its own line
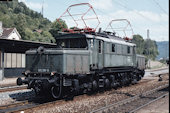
(43, 70)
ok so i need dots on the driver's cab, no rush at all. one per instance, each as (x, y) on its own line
(83, 42)
(72, 41)
(96, 48)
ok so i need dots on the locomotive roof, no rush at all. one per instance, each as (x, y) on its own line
(70, 35)
(107, 38)
(112, 39)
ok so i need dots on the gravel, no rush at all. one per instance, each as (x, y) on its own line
(84, 103)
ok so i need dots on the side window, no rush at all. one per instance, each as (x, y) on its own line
(100, 47)
(113, 48)
(128, 50)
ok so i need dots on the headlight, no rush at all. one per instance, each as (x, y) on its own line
(26, 72)
(53, 73)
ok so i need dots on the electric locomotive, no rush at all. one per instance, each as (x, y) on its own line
(84, 61)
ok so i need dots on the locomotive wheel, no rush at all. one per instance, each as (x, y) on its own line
(56, 92)
(95, 86)
(134, 81)
(38, 88)
(38, 92)
(107, 83)
(69, 94)
(139, 77)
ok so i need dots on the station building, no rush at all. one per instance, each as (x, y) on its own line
(12, 52)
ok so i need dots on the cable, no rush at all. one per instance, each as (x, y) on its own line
(160, 6)
(134, 10)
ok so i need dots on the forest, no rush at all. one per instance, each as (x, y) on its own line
(30, 24)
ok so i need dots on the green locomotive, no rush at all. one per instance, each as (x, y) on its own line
(83, 63)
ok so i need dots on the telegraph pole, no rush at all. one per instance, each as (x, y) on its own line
(167, 51)
(148, 48)
(42, 10)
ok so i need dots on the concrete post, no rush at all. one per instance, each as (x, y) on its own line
(2, 70)
(0, 67)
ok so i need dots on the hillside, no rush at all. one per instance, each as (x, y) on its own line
(30, 24)
(163, 48)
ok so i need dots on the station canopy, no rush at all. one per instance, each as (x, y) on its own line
(20, 46)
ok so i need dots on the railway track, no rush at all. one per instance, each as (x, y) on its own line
(27, 105)
(32, 105)
(136, 102)
(142, 106)
(12, 88)
(12, 106)
(7, 85)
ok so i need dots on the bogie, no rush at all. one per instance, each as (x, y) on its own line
(63, 86)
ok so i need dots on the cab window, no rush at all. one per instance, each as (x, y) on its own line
(100, 47)
(128, 50)
(113, 48)
(72, 43)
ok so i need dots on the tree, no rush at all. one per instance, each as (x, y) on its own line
(20, 25)
(151, 49)
(57, 26)
(47, 37)
(28, 35)
(145, 47)
(36, 37)
(3, 9)
(17, 15)
(18, 10)
(139, 41)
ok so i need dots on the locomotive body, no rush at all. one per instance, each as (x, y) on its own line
(82, 63)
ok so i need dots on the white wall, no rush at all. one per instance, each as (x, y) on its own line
(14, 60)
(0, 59)
(1, 76)
(1, 30)
(14, 36)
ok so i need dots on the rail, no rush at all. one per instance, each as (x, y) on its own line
(26, 106)
(129, 99)
(12, 88)
(8, 107)
(138, 108)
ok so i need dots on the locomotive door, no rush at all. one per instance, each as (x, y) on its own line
(134, 56)
(100, 54)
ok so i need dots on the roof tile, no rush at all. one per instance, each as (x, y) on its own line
(6, 32)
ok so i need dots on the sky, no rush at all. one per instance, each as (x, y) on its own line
(152, 15)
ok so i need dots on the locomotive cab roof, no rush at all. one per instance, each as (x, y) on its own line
(70, 36)
(100, 36)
